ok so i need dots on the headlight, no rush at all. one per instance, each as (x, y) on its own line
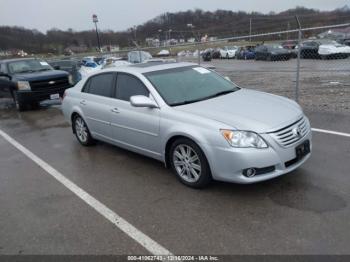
(243, 139)
(70, 80)
(23, 86)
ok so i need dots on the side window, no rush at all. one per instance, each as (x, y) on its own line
(2, 68)
(128, 86)
(100, 85)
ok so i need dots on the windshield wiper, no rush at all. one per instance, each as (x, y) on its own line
(185, 102)
(204, 98)
(25, 71)
(43, 69)
(220, 93)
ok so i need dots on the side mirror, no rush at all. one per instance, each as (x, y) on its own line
(142, 101)
(3, 75)
(57, 67)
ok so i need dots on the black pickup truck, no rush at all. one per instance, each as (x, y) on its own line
(31, 81)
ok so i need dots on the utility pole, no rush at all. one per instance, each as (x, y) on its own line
(297, 84)
(135, 33)
(95, 20)
(170, 35)
(288, 28)
(250, 29)
(198, 42)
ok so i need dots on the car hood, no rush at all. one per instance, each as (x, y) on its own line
(38, 76)
(279, 51)
(332, 49)
(247, 110)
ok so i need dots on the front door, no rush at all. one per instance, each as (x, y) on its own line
(135, 128)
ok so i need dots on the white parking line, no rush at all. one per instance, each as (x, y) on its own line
(330, 132)
(149, 244)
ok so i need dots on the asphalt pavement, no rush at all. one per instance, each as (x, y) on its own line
(304, 212)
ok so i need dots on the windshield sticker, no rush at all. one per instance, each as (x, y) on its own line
(44, 63)
(201, 70)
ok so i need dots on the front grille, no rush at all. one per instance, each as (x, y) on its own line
(292, 133)
(45, 85)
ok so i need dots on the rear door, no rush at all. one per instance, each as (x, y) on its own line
(135, 128)
(96, 103)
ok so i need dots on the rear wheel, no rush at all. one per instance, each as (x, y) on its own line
(189, 163)
(82, 132)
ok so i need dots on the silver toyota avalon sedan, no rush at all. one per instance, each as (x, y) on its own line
(198, 123)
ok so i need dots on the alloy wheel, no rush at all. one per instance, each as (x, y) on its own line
(187, 163)
(81, 130)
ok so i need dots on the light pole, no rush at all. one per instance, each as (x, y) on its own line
(250, 29)
(199, 55)
(95, 20)
(135, 32)
(170, 34)
(160, 37)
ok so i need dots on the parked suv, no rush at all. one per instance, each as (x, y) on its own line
(34, 80)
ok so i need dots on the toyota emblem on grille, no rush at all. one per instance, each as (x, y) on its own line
(297, 132)
(52, 82)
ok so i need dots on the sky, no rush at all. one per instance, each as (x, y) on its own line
(122, 14)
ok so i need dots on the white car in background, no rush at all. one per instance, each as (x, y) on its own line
(228, 52)
(333, 49)
(163, 53)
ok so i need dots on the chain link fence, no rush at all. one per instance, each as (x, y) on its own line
(310, 65)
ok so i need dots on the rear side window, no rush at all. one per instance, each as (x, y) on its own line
(101, 85)
(128, 86)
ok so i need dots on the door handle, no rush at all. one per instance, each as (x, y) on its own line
(83, 102)
(115, 110)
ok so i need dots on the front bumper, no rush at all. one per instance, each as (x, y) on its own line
(227, 164)
(37, 96)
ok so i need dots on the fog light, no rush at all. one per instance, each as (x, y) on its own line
(250, 172)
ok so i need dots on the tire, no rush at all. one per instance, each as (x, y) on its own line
(20, 106)
(35, 105)
(181, 153)
(82, 132)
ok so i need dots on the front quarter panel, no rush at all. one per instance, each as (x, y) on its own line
(204, 132)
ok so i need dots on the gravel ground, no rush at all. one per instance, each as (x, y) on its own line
(324, 85)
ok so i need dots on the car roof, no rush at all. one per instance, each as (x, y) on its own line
(149, 67)
(16, 59)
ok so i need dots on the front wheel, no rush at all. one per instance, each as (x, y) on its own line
(20, 106)
(82, 132)
(189, 163)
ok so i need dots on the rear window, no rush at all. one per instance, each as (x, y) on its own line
(101, 85)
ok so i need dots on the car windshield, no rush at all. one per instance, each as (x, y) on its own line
(329, 42)
(231, 47)
(187, 85)
(276, 46)
(28, 66)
